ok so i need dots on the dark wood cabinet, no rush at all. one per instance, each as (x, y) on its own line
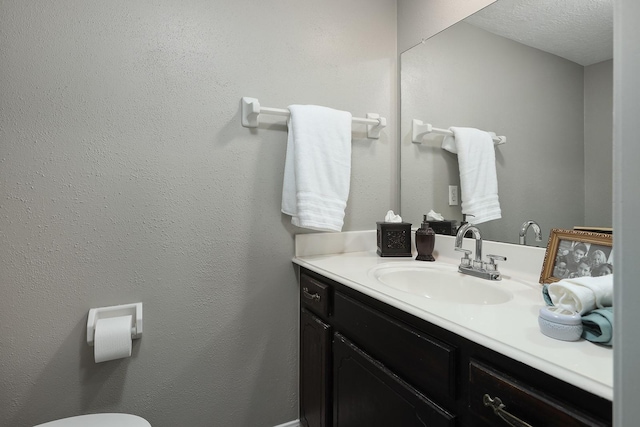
(425, 362)
(366, 363)
(366, 393)
(315, 371)
(494, 395)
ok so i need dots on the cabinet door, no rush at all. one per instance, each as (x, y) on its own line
(426, 363)
(315, 371)
(366, 393)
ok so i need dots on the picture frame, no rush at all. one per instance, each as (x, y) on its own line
(575, 253)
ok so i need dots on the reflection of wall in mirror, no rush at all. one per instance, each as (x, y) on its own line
(598, 134)
(465, 76)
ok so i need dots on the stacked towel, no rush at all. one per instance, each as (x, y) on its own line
(582, 294)
(317, 169)
(592, 297)
(478, 178)
(598, 326)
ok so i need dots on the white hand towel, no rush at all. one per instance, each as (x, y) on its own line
(317, 170)
(583, 294)
(478, 178)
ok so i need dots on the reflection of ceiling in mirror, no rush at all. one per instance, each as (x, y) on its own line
(578, 30)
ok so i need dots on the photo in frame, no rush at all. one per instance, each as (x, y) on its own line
(574, 253)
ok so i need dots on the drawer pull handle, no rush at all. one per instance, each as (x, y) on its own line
(308, 295)
(498, 409)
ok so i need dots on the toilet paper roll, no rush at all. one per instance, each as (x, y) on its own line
(112, 338)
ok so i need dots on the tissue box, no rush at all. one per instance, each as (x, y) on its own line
(447, 227)
(394, 239)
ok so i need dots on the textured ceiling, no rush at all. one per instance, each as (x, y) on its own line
(578, 30)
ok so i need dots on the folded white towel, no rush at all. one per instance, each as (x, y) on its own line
(582, 294)
(478, 178)
(317, 170)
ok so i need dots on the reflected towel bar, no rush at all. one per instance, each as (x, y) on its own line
(420, 129)
(251, 109)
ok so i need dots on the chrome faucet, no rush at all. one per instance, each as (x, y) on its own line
(525, 227)
(477, 267)
(476, 235)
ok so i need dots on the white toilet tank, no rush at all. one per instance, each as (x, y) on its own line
(99, 420)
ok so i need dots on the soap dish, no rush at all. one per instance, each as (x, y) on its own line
(561, 324)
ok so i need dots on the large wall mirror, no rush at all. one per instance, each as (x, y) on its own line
(536, 71)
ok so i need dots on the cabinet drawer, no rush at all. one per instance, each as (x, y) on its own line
(525, 403)
(424, 362)
(315, 296)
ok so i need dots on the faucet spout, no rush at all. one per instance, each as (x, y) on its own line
(525, 227)
(476, 235)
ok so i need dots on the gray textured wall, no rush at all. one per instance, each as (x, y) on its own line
(126, 176)
(468, 77)
(598, 143)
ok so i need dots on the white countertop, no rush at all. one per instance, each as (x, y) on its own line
(509, 328)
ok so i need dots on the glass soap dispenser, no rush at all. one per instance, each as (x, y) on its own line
(425, 241)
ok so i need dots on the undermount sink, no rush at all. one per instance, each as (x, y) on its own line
(441, 282)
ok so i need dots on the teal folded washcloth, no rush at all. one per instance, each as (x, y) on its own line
(545, 295)
(598, 326)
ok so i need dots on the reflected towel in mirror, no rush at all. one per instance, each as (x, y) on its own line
(478, 177)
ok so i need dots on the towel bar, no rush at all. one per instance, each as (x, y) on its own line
(251, 109)
(420, 129)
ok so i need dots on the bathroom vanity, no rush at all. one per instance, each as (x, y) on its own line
(371, 356)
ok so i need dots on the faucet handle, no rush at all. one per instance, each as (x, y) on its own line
(465, 260)
(491, 265)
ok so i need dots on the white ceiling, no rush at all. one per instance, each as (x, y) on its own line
(578, 30)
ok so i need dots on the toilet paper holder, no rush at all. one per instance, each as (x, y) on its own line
(95, 314)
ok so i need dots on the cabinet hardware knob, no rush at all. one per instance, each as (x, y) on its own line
(499, 409)
(308, 295)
